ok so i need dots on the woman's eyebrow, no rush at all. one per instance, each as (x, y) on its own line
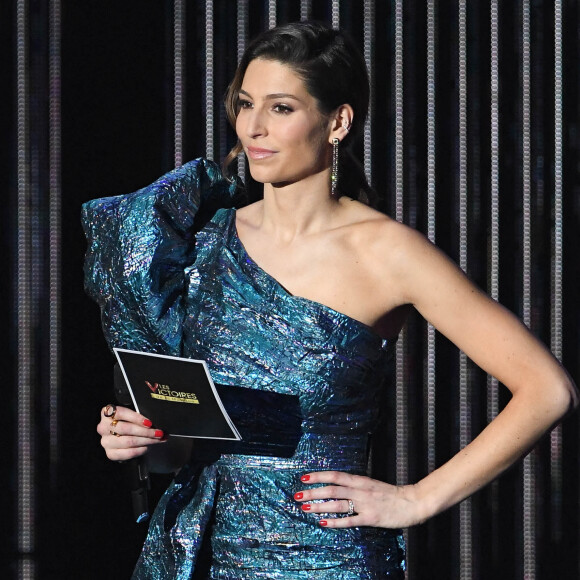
(282, 96)
(274, 96)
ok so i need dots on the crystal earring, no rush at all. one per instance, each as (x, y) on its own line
(334, 171)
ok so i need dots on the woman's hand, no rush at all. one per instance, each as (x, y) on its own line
(374, 503)
(126, 434)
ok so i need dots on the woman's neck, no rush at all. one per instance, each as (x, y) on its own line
(295, 209)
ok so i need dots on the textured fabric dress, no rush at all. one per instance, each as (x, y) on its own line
(162, 288)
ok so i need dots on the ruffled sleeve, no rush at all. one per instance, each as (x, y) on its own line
(138, 247)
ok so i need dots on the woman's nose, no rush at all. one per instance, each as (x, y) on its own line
(255, 123)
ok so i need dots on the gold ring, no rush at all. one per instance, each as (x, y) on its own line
(110, 410)
(114, 433)
(114, 422)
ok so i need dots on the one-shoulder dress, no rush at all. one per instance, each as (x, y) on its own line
(171, 276)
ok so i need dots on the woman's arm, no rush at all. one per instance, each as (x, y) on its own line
(542, 393)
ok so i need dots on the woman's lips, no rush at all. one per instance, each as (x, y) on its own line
(259, 153)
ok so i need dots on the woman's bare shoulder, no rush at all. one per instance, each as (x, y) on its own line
(382, 236)
(397, 257)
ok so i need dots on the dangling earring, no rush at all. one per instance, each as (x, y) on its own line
(334, 171)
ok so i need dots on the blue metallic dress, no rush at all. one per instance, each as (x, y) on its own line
(164, 288)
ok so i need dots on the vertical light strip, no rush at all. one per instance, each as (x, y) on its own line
(431, 188)
(493, 269)
(209, 83)
(335, 12)
(242, 25)
(401, 394)
(55, 203)
(401, 399)
(465, 531)
(242, 31)
(272, 18)
(25, 372)
(526, 165)
(493, 284)
(529, 486)
(305, 9)
(369, 40)
(401, 419)
(178, 78)
(556, 328)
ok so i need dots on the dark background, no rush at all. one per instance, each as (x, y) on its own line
(116, 89)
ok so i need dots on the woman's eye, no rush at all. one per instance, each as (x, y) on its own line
(243, 104)
(280, 108)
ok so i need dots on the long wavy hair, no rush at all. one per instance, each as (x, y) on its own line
(333, 72)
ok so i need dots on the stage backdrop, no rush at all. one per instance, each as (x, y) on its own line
(473, 139)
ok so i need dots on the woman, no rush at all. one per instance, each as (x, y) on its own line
(301, 293)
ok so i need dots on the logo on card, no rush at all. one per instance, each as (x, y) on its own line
(166, 393)
(153, 386)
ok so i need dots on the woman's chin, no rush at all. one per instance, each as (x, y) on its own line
(279, 179)
(258, 174)
(261, 175)
(276, 183)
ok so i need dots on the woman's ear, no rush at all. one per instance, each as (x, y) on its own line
(341, 122)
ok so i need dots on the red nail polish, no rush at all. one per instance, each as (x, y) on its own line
(305, 478)
(306, 507)
(147, 423)
(323, 522)
(298, 495)
(158, 433)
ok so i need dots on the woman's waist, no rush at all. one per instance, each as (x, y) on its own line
(315, 451)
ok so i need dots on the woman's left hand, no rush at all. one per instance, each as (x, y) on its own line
(375, 503)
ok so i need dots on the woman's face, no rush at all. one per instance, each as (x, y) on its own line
(284, 135)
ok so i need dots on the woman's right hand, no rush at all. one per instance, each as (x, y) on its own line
(126, 434)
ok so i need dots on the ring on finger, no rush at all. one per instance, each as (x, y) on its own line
(114, 422)
(114, 433)
(350, 511)
(110, 410)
